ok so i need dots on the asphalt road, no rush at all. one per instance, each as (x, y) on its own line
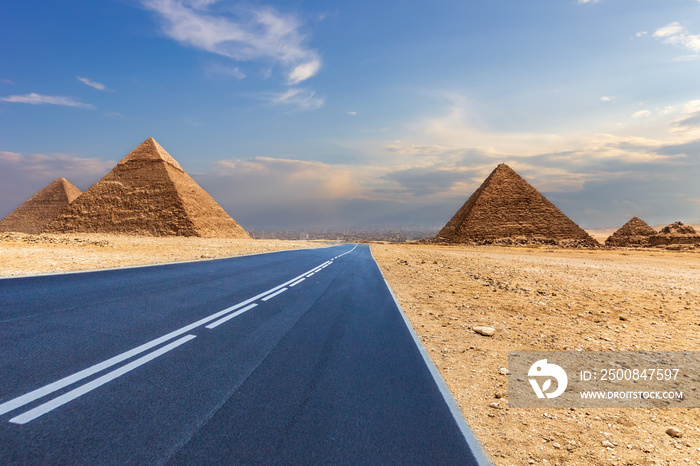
(295, 357)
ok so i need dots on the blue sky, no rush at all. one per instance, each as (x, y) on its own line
(335, 114)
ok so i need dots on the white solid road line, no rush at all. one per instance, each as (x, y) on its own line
(231, 316)
(88, 387)
(270, 296)
(27, 398)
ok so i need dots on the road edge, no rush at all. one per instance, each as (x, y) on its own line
(473, 443)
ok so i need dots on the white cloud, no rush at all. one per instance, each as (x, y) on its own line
(677, 34)
(303, 99)
(606, 98)
(7, 81)
(352, 113)
(240, 33)
(587, 1)
(641, 114)
(641, 34)
(93, 84)
(689, 120)
(304, 71)
(38, 99)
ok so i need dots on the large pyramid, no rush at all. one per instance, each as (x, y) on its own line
(636, 232)
(41, 208)
(507, 209)
(147, 193)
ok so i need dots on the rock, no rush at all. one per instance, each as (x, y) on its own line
(486, 331)
(607, 444)
(673, 432)
(498, 395)
(495, 405)
(503, 371)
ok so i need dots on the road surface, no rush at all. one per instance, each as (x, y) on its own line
(295, 357)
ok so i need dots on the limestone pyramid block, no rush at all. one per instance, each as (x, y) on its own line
(507, 209)
(41, 208)
(147, 193)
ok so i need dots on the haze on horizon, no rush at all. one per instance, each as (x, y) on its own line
(308, 115)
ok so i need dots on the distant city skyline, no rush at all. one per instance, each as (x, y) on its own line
(309, 115)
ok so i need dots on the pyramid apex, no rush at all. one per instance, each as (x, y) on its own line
(150, 150)
(504, 167)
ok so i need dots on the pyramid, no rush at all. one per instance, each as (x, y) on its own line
(635, 232)
(507, 209)
(675, 233)
(147, 193)
(41, 208)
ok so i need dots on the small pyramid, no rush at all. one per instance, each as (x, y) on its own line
(41, 208)
(635, 232)
(675, 233)
(147, 193)
(507, 209)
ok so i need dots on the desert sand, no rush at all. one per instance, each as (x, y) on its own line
(554, 300)
(537, 298)
(22, 254)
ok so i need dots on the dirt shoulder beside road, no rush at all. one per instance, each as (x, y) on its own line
(22, 254)
(553, 300)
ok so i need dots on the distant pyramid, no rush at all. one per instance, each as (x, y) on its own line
(41, 208)
(506, 208)
(636, 232)
(675, 233)
(147, 193)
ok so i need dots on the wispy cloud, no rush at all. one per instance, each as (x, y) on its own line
(641, 114)
(7, 81)
(38, 99)
(93, 84)
(241, 33)
(678, 35)
(301, 99)
(606, 98)
(587, 1)
(690, 118)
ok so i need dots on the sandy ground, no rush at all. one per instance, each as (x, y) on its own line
(536, 298)
(550, 299)
(22, 254)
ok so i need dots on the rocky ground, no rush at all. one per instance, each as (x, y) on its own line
(555, 300)
(536, 298)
